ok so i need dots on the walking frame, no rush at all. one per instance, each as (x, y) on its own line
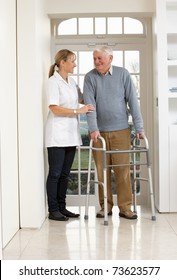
(134, 151)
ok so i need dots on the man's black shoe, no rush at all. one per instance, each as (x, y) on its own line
(69, 214)
(57, 216)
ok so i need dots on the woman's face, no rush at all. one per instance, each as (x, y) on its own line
(70, 64)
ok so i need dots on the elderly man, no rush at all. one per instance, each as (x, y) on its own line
(110, 89)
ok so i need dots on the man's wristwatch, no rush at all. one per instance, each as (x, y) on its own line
(75, 112)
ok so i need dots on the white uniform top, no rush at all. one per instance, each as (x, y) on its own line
(62, 131)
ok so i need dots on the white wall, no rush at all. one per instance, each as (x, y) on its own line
(33, 28)
(8, 120)
(0, 203)
(25, 60)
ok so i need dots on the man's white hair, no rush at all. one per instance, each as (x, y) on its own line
(104, 49)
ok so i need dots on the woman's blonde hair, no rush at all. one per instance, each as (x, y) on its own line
(60, 55)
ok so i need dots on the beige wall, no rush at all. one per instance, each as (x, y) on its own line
(110, 6)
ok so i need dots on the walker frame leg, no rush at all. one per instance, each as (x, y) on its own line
(104, 183)
(105, 192)
(88, 182)
(151, 187)
(134, 182)
(149, 180)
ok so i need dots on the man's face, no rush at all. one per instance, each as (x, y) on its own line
(102, 61)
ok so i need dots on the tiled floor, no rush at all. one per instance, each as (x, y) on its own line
(79, 239)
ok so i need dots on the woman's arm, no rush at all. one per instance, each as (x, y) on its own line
(67, 112)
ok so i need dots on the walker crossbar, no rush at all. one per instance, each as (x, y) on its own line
(135, 149)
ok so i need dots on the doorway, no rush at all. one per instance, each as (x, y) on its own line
(130, 39)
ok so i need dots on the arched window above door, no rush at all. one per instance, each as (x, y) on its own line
(100, 26)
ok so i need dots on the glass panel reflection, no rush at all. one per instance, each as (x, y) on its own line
(114, 25)
(68, 27)
(132, 61)
(132, 26)
(85, 61)
(136, 80)
(100, 25)
(73, 184)
(84, 184)
(85, 26)
(118, 58)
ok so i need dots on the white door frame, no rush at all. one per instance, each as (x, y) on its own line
(142, 44)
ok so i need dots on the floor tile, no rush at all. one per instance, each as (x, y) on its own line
(80, 239)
